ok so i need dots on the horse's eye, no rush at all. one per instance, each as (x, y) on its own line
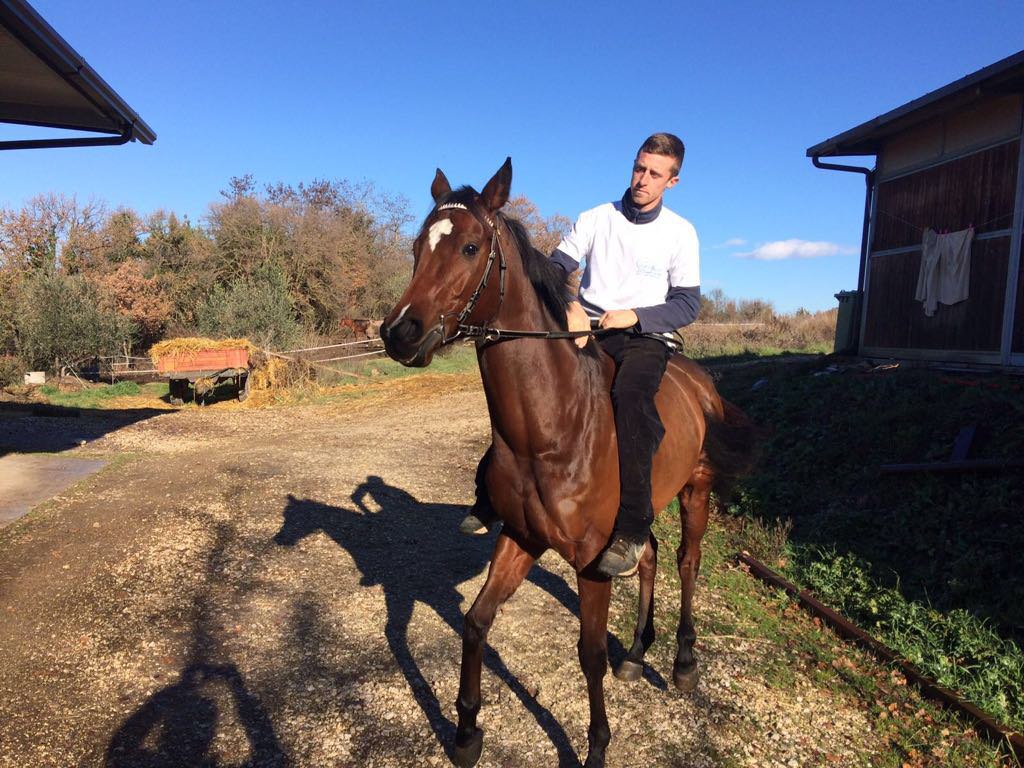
(469, 249)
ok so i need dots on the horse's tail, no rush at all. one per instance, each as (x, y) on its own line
(730, 447)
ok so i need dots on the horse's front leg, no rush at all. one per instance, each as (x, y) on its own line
(509, 566)
(593, 649)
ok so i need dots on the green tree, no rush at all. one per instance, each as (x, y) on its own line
(61, 321)
(257, 307)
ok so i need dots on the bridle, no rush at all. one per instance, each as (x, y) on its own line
(487, 331)
(462, 329)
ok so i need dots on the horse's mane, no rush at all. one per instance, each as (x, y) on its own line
(547, 278)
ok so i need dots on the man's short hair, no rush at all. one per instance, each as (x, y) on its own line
(666, 144)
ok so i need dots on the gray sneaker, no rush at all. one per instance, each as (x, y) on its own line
(480, 521)
(472, 525)
(622, 558)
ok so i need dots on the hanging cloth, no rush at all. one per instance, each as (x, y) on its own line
(945, 274)
(927, 290)
(955, 268)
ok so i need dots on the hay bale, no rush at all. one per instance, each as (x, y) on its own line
(189, 345)
(270, 373)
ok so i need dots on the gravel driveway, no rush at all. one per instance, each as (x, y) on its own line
(285, 586)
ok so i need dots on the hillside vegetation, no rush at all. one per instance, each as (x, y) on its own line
(283, 265)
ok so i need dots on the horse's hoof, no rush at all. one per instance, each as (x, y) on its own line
(685, 677)
(465, 755)
(629, 671)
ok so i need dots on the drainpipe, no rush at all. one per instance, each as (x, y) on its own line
(75, 141)
(869, 181)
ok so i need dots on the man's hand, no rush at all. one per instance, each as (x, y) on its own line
(619, 318)
(578, 320)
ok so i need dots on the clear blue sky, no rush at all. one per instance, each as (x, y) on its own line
(388, 91)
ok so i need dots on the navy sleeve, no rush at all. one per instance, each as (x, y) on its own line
(565, 261)
(680, 308)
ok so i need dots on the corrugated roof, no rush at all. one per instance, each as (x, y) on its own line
(1005, 76)
(44, 82)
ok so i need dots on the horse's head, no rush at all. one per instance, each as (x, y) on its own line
(452, 260)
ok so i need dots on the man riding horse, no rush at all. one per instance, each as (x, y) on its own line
(641, 274)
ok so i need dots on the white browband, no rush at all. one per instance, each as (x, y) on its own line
(460, 207)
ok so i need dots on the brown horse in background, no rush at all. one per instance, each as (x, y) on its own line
(554, 477)
(357, 327)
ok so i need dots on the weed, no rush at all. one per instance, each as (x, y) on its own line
(768, 541)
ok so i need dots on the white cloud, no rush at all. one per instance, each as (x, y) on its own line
(795, 248)
(732, 242)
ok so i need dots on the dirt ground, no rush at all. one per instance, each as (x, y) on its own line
(285, 586)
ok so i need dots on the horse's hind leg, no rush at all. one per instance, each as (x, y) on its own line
(509, 566)
(632, 666)
(693, 517)
(593, 649)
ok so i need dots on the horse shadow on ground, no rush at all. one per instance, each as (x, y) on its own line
(179, 724)
(413, 551)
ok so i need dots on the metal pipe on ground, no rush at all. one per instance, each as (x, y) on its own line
(928, 687)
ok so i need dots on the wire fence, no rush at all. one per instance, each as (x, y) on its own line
(303, 354)
(119, 367)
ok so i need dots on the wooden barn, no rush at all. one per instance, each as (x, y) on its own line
(945, 164)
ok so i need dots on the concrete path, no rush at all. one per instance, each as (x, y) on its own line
(28, 479)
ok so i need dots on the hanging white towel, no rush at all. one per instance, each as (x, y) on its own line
(955, 267)
(945, 274)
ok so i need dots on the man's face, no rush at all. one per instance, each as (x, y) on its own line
(652, 175)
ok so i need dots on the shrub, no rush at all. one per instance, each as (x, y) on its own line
(141, 300)
(12, 371)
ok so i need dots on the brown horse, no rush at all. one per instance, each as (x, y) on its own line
(553, 477)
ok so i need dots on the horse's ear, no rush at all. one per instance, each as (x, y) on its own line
(496, 192)
(440, 187)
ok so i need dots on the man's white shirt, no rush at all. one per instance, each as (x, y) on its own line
(631, 266)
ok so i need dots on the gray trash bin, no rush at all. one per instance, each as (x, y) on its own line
(847, 322)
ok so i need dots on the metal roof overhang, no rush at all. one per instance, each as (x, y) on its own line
(44, 82)
(1003, 77)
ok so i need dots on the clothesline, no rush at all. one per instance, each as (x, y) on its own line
(922, 229)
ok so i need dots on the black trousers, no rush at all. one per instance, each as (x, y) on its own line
(639, 365)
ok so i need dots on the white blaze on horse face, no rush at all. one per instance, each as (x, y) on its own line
(398, 319)
(438, 230)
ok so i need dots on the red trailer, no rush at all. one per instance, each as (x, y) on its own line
(205, 365)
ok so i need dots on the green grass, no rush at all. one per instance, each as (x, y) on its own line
(927, 563)
(100, 397)
(958, 650)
